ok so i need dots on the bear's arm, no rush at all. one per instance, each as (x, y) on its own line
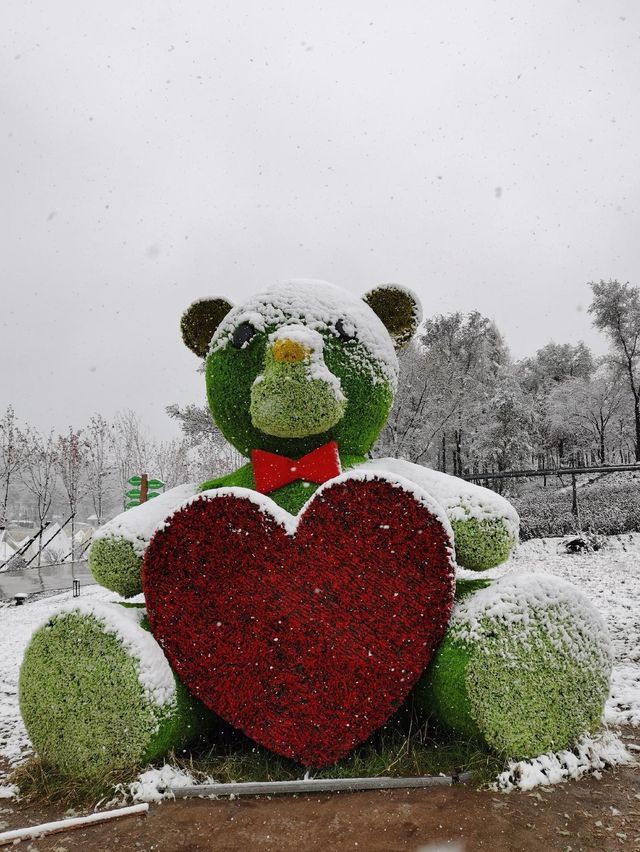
(485, 525)
(118, 546)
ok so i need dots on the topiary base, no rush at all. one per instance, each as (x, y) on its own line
(97, 695)
(524, 667)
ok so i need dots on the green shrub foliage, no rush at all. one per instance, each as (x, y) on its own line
(230, 376)
(481, 544)
(116, 566)
(524, 667)
(288, 404)
(85, 697)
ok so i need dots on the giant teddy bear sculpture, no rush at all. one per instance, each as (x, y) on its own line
(304, 596)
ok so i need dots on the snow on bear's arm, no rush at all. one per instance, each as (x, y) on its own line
(460, 499)
(137, 525)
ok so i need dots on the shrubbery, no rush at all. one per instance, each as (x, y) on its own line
(604, 509)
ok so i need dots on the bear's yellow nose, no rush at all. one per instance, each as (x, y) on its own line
(289, 351)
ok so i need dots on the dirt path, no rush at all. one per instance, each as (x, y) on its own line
(590, 814)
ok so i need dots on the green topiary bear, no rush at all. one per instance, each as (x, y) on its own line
(306, 368)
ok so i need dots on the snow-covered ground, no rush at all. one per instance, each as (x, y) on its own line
(610, 578)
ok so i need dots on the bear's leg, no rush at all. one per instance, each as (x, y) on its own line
(97, 695)
(524, 667)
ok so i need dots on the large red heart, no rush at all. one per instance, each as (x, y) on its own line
(306, 633)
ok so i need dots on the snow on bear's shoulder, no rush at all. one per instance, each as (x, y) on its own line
(460, 499)
(137, 525)
(318, 305)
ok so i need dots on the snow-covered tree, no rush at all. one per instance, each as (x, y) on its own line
(38, 475)
(12, 454)
(100, 462)
(502, 439)
(539, 376)
(616, 311)
(447, 376)
(555, 363)
(132, 449)
(585, 409)
(209, 451)
(170, 462)
(73, 468)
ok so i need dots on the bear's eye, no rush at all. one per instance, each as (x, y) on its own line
(243, 334)
(346, 335)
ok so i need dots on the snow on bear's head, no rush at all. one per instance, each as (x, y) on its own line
(302, 363)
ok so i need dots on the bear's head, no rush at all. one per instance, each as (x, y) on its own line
(302, 364)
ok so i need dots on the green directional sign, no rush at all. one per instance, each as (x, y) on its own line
(144, 489)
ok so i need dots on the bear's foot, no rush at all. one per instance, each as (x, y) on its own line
(524, 667)
(97, 695)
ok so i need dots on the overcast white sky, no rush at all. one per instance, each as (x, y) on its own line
(484, 153)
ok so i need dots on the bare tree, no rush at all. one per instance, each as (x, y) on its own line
(131, 446)
(72, 465)
(100, 462)
(587, 407)
(38, 475)
(12, 452)
(616, 311)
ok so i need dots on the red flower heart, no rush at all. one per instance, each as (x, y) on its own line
(306, 633)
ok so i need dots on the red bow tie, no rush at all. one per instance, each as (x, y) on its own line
(271, 471)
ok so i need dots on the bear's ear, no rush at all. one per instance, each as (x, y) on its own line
(199, 322)
(398, 308)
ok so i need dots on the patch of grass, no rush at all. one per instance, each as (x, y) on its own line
(397, 750)
(38, 781)
(400, 749)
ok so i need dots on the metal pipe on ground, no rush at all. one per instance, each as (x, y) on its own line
(314, 785)
(32, 832)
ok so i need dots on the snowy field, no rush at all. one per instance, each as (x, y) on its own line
(610, 578)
